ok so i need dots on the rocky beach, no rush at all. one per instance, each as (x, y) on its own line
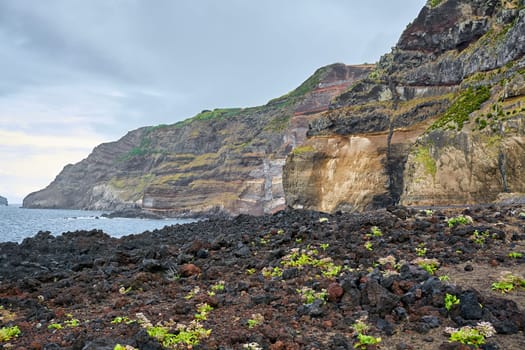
(386, 279)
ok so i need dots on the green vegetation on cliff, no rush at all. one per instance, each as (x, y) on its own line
(424, 158)
(218, 113)
(308, 85)
(468, 101)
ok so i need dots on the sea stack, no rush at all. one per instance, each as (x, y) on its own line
(3, 201)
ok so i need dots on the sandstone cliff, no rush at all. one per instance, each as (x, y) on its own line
(221, 161)
(439, 121)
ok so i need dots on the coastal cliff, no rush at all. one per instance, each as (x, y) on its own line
(3, 201)
(439, 120)
(222, 161)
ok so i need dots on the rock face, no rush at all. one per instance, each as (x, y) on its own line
(222, 161)
(3, 201)
(439, 121)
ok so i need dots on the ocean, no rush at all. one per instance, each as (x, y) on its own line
(18, 223)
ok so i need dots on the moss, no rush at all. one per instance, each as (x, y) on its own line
(424, 158)
(302, 150)
(468, 101)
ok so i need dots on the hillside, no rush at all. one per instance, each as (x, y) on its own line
(437, 121)
(220, 161)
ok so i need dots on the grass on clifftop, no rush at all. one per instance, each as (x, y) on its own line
(308, 85)
(218, 113)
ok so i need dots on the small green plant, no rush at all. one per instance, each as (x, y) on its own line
(471, 335)
(309, 295)
(192, 293)
(428, 212)
(255, 320)
(421, 250)
(73, 322)
(122, 319)
(332, 270)
(429, 265)
(515, 255)
(123, 290)
(187, 335)
(376, 232)
(276, 271)
(250, 271)
(363, 340)
(202, 311)
(508, 282)
(368, 246)
(479, 238)
(503, 286)
(444, 278)
(323, 220)
(56, 326)
(218, 287)
(459, 220)
(324, 246)
(8, 333)
(124, 347)
(450, 300)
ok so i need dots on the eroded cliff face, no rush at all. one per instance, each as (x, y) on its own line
(409, 132)
(437, 121)
(225, 161)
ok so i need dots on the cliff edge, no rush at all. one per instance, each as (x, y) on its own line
(221, 161)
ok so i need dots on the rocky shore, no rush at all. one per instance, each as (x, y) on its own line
(388, 279)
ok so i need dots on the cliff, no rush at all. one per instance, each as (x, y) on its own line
(439, 121)
(221, 161)
(3, 201)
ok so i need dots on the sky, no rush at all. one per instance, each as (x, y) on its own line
(76, 73)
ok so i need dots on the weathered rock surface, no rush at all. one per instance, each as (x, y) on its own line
(3, 201)
(223, 161)
(438, 122)
(292, 280)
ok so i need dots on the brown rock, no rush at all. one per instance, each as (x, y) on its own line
(188, 270)
(335, 292)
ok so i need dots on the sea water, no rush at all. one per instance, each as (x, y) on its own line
(18, 223)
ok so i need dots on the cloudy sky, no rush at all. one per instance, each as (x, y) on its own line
(76, 73)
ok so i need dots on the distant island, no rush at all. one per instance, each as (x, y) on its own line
(3, 201)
